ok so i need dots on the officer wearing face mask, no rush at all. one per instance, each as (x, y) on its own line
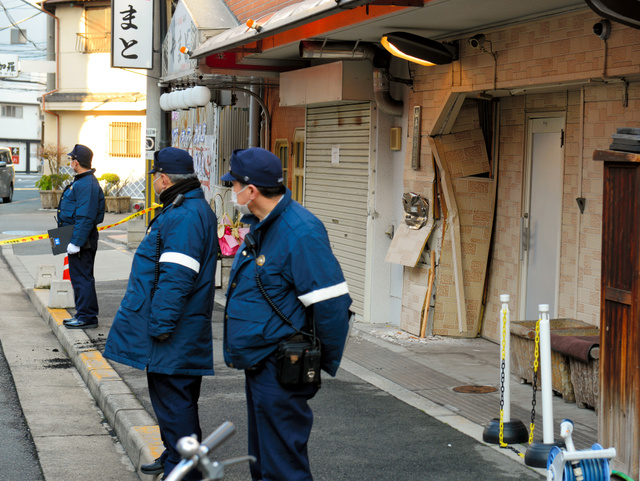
(163, 324)
(82, 206)
(303, 279)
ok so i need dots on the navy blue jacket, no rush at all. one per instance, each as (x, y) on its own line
(182, 304)
(82, 205)
(299, 271)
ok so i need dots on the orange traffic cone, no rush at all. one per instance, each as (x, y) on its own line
(65, 269)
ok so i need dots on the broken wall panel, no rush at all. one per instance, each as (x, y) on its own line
(407, 244)
(465, 153)
(475, 198)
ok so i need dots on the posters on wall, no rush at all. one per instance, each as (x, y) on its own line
(194, 131)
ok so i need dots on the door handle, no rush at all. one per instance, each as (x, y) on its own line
(524, 235)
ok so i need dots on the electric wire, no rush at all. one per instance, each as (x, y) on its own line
(13, 22)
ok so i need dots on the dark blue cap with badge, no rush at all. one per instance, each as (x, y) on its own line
(254, 166)
(82, 154)
(171, 160)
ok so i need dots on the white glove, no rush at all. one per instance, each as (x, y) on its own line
(73, 249)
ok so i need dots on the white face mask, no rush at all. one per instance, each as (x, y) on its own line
(242, 208)
(154, 186)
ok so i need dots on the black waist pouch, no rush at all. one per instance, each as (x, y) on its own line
(298, 360)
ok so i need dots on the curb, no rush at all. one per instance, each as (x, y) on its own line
(135, 428)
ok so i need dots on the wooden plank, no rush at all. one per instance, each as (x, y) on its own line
(456, 244)
(615, 156)
(618, 295)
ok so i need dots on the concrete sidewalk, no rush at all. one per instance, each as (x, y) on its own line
(422, 373)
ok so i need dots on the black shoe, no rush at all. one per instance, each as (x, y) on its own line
(78, 324)
(70, 319)
(156, 467)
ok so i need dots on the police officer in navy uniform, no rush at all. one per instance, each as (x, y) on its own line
(302, 277)
(82, 205)
(163, 324)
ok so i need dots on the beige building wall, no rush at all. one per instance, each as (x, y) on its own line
(87, 122)
(81, 72)
(562, 49)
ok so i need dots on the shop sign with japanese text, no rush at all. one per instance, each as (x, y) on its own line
(9, 66)
(132, 34)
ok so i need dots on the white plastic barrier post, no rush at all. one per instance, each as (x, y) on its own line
(545, 372)
(504, 430)
(505, 340)
(538, 453)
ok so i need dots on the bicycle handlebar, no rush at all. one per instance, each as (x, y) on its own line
(197, 455)
(219, 436)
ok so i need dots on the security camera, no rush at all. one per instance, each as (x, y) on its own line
(477, 40)
(602, 29)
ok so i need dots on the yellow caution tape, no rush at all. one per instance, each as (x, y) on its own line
(25, 239)
(126, 219)
(46, 236)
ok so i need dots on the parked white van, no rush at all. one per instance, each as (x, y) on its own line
(7, 175)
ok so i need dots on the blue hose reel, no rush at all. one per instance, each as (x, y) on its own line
(572, 465)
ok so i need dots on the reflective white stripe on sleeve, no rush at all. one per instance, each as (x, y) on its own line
(324, 294)
(181, 259)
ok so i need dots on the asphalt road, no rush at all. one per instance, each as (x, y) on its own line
(18, 457)
(360, 432)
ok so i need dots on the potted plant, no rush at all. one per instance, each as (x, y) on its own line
(113, 188)
(52, 181)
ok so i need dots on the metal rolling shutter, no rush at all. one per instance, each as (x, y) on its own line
(338, 193)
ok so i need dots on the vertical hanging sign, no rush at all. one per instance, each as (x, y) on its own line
(132, 34)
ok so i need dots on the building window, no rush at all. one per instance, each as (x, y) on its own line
(18, 36)
(13, 111)
(125, 139)
(97, 31)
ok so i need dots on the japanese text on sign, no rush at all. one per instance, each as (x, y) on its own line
(8, 66)
(132, 37)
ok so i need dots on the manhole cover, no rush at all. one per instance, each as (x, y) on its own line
(475, 389)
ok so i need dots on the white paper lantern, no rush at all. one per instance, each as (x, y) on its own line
(171, 101)
(201, 95)
(190, 98)
(178, 102)
(164, 98)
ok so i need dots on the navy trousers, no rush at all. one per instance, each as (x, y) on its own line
(279, 422)
(175, 401)
(83, 281)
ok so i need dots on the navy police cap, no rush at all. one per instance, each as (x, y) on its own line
(171, 160)
(254, 166)
(82, 154)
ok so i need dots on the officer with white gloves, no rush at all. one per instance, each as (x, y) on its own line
(82, 205)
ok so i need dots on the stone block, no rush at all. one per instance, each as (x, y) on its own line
(61, 295)
(46, 274)
(136, 231)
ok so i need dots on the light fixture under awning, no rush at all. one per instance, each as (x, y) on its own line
(289, 17)
(420, 50)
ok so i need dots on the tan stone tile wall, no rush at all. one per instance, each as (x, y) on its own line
(559, 49)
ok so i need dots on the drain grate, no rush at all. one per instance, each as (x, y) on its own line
(475, 389)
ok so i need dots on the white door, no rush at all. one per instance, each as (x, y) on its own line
(542, 217)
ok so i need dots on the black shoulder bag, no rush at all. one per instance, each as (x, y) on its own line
(298, 357)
